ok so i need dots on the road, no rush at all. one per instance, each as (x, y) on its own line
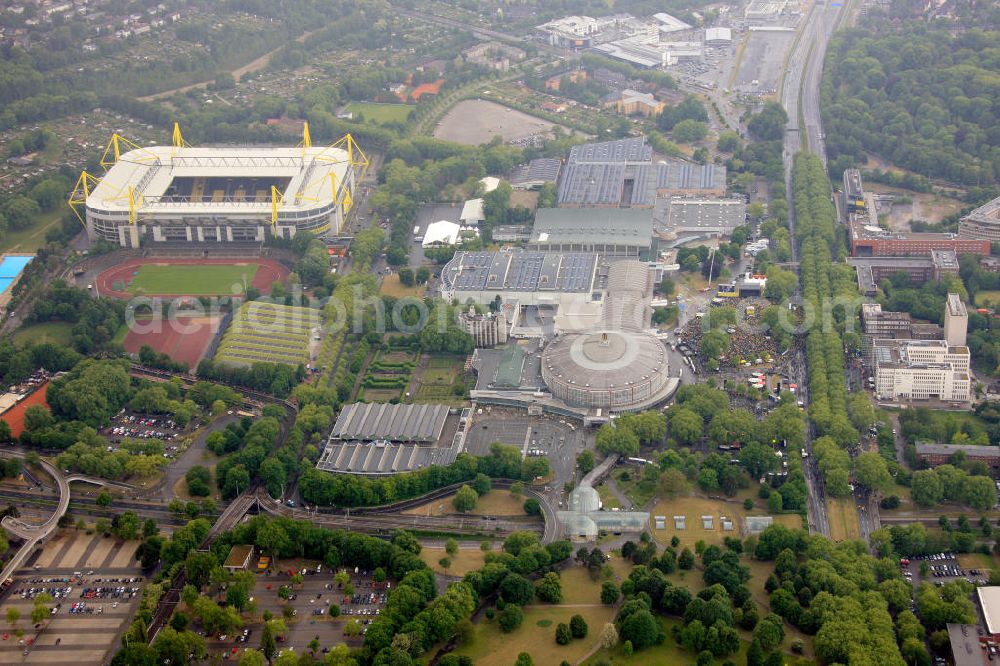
(34, 534)
(800, 97)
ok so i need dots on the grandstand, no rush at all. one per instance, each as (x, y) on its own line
(181, 194)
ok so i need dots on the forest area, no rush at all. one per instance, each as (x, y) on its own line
(922, 96)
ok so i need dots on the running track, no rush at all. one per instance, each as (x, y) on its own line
(268, 271)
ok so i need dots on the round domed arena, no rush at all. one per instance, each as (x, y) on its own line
(612, 369)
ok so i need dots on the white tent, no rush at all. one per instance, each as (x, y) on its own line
(472, 212)
(441, 233)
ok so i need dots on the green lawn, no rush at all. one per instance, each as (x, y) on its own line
(32, 238)
(381, 113)
(192, 280)
(56, 332)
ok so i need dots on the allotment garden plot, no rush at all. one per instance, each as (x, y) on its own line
(388, 375)
(267, 332)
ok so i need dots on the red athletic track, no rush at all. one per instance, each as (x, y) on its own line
(268, 271)
(183, 339)
(15, 415)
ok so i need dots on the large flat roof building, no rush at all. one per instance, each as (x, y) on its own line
(714, 216)
(220, 194)
(676, 177)
(608, 174)
(534, 174)
(379, 439)
(983, 223)
(872, 271)
(531, 278)
(989, 603)
(622, 232)
(940, 454)
(966, 647)
(870, 240)
(921, 370)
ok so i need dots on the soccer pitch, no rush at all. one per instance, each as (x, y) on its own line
(188, 280)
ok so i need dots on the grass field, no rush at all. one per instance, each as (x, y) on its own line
(205, 280)
(635, 487)
(381, 113)
(391, 286)
(467, 560)
(693, 508)
(536, 636)
(843, 519)
(608, 498)
(667, 653)
(436, 382)
(987, 298)
(56, 332)
(32, 238)
(268, 332)
(977, 561)
(493, 503)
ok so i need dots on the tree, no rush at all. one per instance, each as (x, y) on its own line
(609, 636)
(770, 632)
(690, 131)
(524, 659)
(563, 634)
(268, 646)
(609, 593)
(685, 425)
(926, 488)
(516, 589)
(104, 499)
(871, 471)
(611, 439)
(578, 626)
(640, 628)
(549, 588)
(769, 124)
(585, 461)
(686, 559)
(465, 499)
(510, 618)
(532, 507)
(481, 484)
(13, 615)
(450, 547)
(251, 657)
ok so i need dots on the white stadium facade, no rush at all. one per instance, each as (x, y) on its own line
(218, 194)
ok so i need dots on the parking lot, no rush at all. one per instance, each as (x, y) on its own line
(309, 602)
(141, 426)
(95, 584)
(942, 568)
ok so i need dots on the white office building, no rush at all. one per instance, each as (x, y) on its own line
(921, 370)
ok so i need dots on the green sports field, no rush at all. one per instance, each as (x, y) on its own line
(381, 113)
(206, 280)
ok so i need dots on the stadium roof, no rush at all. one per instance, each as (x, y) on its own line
(304, 175)
(583, 226)
(395, 423)
(520, 271)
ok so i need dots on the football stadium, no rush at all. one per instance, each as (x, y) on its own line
(182, 194)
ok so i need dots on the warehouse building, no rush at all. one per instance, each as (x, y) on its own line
(379, 439)
(679, 178)
(609, 174)
(983, 223)
(534, 174)
(619, 232)
(718, 36)
(966, 647)
(632, 102)
(713, 216)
